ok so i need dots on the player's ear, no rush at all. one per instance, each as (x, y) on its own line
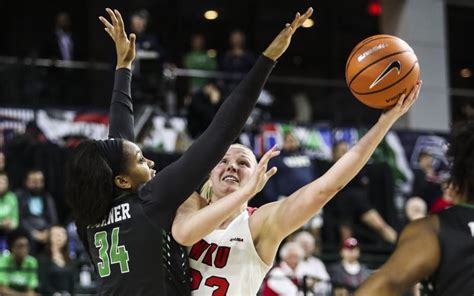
(122, 182)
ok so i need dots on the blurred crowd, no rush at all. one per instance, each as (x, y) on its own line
(199, 94)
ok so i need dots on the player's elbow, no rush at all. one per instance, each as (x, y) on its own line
(183, 236)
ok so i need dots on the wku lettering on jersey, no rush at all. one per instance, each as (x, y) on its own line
(214, 255)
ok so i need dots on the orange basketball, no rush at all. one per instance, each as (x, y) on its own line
(380, 69)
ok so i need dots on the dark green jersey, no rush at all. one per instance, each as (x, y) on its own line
(131, 255)
(455, 274)
(132, 248)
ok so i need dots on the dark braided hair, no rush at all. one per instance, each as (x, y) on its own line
(90, 187)
(461, 156)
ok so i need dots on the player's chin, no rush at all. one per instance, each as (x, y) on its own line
(232, 187)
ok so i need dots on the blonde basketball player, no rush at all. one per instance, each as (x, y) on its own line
(234, 258)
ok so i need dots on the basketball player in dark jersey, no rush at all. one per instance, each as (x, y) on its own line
(124, 211)
(437, 250)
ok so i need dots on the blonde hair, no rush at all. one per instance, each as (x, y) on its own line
(254, 159)
(206, 189)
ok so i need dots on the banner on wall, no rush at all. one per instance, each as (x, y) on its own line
(56, 125)
(13, 121)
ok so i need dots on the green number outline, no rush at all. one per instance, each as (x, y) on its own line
(100, 241)
(118, 254)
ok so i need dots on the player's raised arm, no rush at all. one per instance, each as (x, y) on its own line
(121, 106)
(167, 191)
(279, 219)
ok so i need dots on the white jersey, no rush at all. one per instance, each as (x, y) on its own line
(225, 262)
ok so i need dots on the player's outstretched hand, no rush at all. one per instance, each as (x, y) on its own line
(260, 177)
(125, 46)
(282, 41)
(404, 103)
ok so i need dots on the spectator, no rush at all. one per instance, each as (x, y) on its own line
(349, 273)
(138, 24)
(198, 59)
(61, 45)
(295, 170)
(352, 206)
(149, 62)
(18, 270)
(37, 209)
(282, 279)
(204, 105)
(311, 268)
(8, 210)
(237, 59)
(427, 183)
(76, 248)
(415, 208)
(56, 270)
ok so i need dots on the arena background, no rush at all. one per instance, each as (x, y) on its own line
(47, 104)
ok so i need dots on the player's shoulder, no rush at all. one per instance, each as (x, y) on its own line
(427, 226)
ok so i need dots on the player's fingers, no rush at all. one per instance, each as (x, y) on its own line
(266, 157)
(308, 12)
(132, 37)
(294, 23)
(119, 19)
(274, 154)
(400, 101)
(305, 16)
(106, 22)
(413, 95)
(112, 16)
(271, 172)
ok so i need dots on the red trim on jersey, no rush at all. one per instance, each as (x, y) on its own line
(251, 210)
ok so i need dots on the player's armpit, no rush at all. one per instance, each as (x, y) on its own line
(416, 257)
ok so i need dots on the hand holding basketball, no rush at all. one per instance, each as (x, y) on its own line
(404, 103)
(124, 46)
(282, 41)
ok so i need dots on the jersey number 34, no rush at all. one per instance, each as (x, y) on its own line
(118, 254)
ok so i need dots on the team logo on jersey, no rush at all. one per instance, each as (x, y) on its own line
(390, 67)
(236, 239)
(214, 255)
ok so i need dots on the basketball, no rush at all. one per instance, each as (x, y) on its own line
(380, 69)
